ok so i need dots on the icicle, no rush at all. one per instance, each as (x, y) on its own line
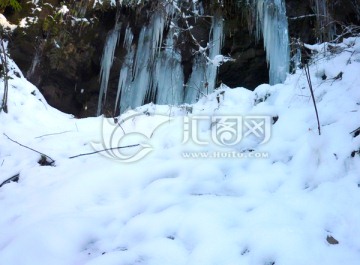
(272, 22)
(136, 75)
(34, 64)
(125, 71)
(106, 63)
(215, 49)
(138, 86)
(203, 76)
(158, 25)
(168, 75)
(197, 85)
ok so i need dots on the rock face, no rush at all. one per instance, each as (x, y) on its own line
(313, 21)
(249, 68)
(61, 52)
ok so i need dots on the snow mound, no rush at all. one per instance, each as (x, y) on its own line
(293, 199)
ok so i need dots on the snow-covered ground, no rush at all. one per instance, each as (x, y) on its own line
(294, 199)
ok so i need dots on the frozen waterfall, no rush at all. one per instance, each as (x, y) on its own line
(139, 65)
(152, 69)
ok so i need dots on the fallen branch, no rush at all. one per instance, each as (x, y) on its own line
(338, 77)
(11, 179)
(105, 150)
(307, 72)
(355, 132)
(51, 161)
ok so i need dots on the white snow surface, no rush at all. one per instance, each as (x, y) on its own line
(167, 209)
(6, 24)
(63, 10)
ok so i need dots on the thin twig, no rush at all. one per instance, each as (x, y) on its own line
(197, 89)
(105, 150)
(307, 72)
(50, 134)
(122, 128)
(52, 161)
(305, 16)
(349, 60)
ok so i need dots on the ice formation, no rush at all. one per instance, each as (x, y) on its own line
(272, 24)
(152, 69)
(203, 78)
(106, 63)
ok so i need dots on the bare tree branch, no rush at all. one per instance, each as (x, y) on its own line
(307, 72)
(104, 150)
(51, 161)
(50, 134)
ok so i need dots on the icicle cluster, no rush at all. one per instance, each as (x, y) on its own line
(152, 69)
(272, 23)
(137, 72)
